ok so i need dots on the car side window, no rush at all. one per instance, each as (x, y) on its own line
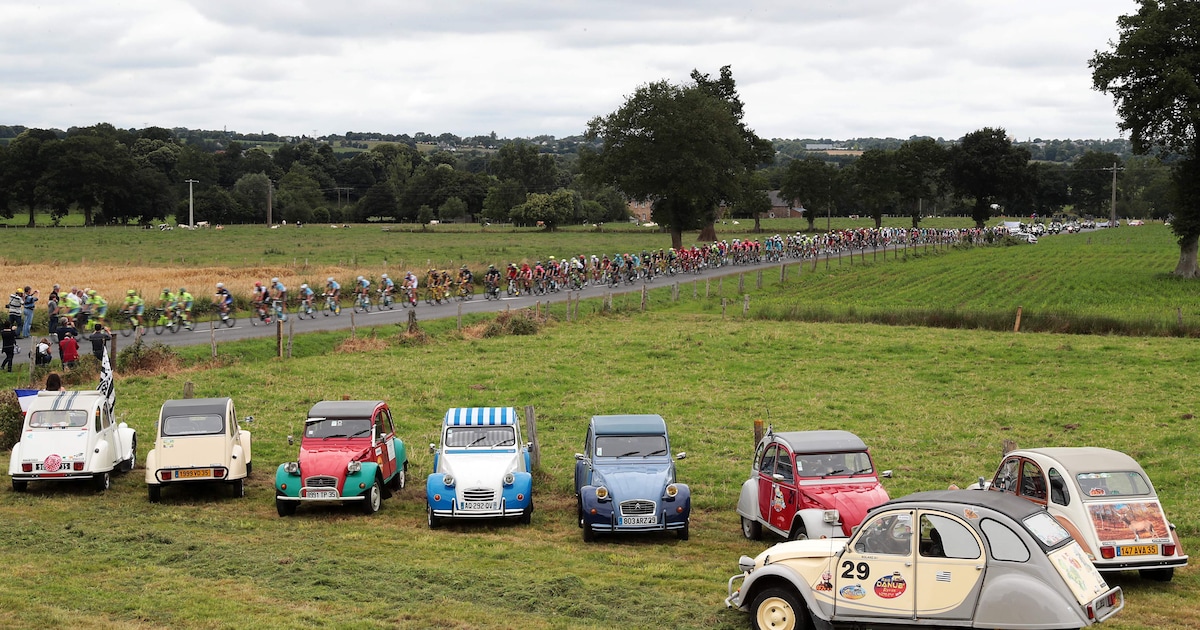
(1006, 477)
(380, 425)
(1033, 484)
(758, 455)
(887, 534)
(1058, 488)
(587, 444)
(944, 537)
(783, 465)
(1003, 542)
(768, 460)
(97, 421)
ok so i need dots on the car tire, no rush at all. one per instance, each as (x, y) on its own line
(285, 508)
(102, 482)
(798, 531)
(1158, 575)
(752, 530)
(435, 521)
(130, 463)
(373, 498)
(779, 609)
(684, 533)
(526, 516)
(249, 467)
(402, 477)
(154, 493)
(239, 488)
(20, 486)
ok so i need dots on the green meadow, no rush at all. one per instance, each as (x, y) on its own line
(933, 403)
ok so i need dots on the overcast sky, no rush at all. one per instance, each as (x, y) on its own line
(804, 68)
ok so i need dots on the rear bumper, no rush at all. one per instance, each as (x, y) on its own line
(1130, 565)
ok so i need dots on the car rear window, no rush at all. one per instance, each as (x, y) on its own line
(204, 424)
(630, 445)
(1111, 484)
(1046, 529)
(58, 419)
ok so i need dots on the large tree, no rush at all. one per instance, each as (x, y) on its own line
(682, 147)
(809, 182)
(875, 182)
(920, 174)
(987, 168)
(1151, 73)
(1092, 181)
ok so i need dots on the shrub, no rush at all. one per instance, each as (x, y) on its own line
(512, 323)
(141, 357)
(11, 419)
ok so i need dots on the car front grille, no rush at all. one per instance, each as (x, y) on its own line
(320, 482)
(637, 507)
(479, 494)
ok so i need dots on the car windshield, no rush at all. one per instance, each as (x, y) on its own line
(832, 464)
(58, 419)
(1046, 529)
(1096, 485)
(325, 428)
(631, 445)
(480, 437)
(204, 424)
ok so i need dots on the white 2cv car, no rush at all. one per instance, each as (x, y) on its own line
(482, 468)
(71, 435)
(198, 440)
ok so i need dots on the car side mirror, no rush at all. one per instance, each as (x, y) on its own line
(249, 419)
(432, 448)
(291, 440)
(887, 474)
(580, 456)
(777, 477)
(681, 455)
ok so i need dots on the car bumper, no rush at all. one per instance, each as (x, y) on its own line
(337, 499)
(1130, 565)
(506, 510)
(734, 600)
(56, 476)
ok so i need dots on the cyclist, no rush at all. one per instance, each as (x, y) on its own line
(134, 307)
(278, 299)
(306, 298)
(186, 302)
(362, 288)
(97, 306)
(387, 286)
(410, 287)
(465, 278)
(333, 295)
(513, 275)
(224, 300)
(491, 280)
(261, 299)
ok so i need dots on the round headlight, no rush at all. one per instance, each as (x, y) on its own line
(509, 479)
(601, 493)
(353, 467)
(672, 490)
(448, 481)
(291, 468)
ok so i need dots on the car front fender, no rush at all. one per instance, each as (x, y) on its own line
(126, 437)
(523, 486)
(244, 437)
(681, 499)
(287, 484)
(589, 502)
(815, 525)
(437, 494)
(747, 504)
(358, 483)
(237, 463)
(401, 453)
(779, 575)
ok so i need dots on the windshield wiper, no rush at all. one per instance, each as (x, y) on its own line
(366, 430)
(658, 452)
(865, 470)
(477, 440)
(630, 453)
(337, 435)
(500, 443)
(834, 472)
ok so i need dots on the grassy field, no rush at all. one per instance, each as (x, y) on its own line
(933, 404)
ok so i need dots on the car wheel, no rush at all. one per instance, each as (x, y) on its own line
(20, 486)
(435, 521)
(102, 482)
(154, 493)
(402, 477)
(285, 508)
(752, 530)
(1158, 575)
(239, 488)
(684, 533)
(798, 531)
(249, 467)
(130, 463)
(778, 609)
(526, 516)
(373, 498)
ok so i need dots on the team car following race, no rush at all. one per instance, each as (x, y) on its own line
(950, 557)
(1104, 498)
(809, 484)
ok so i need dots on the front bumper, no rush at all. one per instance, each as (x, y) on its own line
(734, 600)
(505, 510)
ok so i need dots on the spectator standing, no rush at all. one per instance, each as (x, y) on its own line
(52, 308)
(9, 345)
(31, 298)
(68, 351)
(65, 327)
(99, 338)
(16, 307)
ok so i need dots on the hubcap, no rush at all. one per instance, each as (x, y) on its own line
(775, 613)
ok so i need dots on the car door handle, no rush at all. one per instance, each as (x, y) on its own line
(908, 564)
(979, 567)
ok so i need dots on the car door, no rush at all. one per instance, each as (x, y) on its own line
(766, 483)
(950, 567)
(874, 575)
(106, 432)
(583, 471)
(385, 447)
(786, 495)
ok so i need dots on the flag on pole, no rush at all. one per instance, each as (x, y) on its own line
(106, 383)
(24, 397)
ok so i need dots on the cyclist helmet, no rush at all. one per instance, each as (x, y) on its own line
(329, 279)
(131, 292)
(256, 284)
(360, 278)
(166, 290)
(491, 266)
(464, 267)
(91, 292)
(220, 285)
(274, 280)
(383, 275)
(304, 286)
(182, 290)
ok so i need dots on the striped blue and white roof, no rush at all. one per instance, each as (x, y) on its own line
(480, 416)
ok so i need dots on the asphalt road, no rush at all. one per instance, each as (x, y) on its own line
(243, 329)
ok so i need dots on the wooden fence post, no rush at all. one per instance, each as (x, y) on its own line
(535, 452)
(643, 298)
(758, 432)
(278, 338)
(746, 304)
(741, 283)
(291, 332)
(758, 282)
(722, 308)
(353, 328)
(212, 337)
(1017, 324)
(189, 389)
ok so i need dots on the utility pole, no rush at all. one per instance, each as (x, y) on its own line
(191, 203)
(1112, 218)
(270, 188)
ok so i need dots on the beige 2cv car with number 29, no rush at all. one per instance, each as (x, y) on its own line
(1105, 499)
(198, 440)
(948, 558)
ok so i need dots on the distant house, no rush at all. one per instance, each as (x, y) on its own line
(781, 209)
(640, 210)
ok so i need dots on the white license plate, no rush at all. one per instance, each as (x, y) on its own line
(322, 494)
(477, 505)
(639, 520)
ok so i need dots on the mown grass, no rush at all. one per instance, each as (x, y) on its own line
(933, 404)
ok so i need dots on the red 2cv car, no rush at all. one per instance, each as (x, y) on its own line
(809, 484)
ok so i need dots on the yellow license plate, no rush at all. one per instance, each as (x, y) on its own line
(194, 474)
(1137, 550)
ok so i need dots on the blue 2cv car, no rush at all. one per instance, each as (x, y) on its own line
(482, 468)
(625, 478)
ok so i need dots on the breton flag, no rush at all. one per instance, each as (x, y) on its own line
(106, 384)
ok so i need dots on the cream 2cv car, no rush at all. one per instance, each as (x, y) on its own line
(71, 435)
(946, 558)
(1105, 499)
(198, 440)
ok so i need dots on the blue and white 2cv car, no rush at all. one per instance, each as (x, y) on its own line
(625, 478)
(946, 558)
(482, 468)
(68, 436)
